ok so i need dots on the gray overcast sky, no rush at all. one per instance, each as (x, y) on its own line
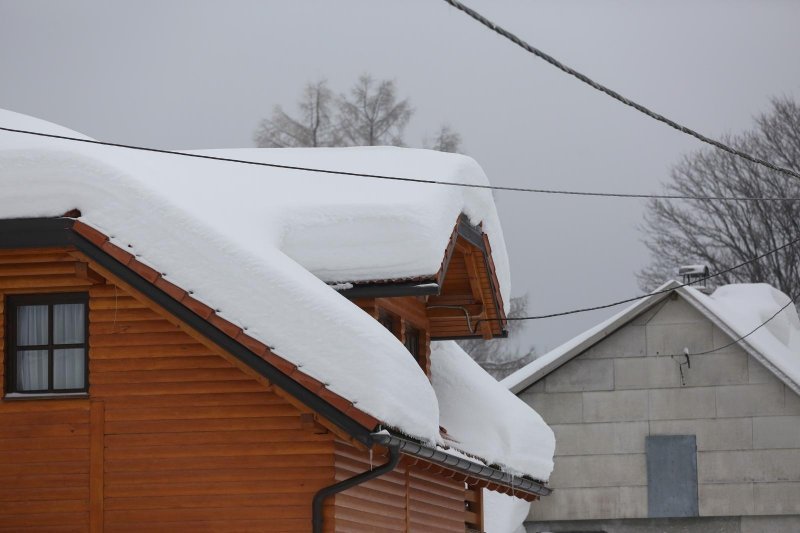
(181, 74)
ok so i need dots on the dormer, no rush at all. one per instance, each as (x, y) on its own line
(461, 300)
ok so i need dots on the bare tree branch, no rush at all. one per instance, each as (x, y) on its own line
(372, 115)
(722, 234)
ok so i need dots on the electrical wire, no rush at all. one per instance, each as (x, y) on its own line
(615, 95)
(417, 180)
(403, 179)
(737, 341)
(641, 297)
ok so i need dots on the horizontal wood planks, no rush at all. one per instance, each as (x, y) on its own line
(408, 499)
(188, 442)
(44, 445)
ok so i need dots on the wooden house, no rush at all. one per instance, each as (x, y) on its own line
(159, 375)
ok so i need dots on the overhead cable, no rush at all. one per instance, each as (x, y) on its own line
(615, 95)
(643, 296)
(738, 340)
(400, 178)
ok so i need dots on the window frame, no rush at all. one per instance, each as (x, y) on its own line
(14, 301)
(411, 340)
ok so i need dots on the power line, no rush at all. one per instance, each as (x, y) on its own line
(791, 301)
(404, 179)
(418, 180)
(641, 297)
(615, 95)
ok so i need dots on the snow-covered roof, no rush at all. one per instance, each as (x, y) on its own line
(472, 405)
(737, 309)
(260, 244)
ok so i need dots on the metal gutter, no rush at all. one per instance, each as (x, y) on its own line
(388, 290)
(324, 493)
(472, 234)
(503, 335)
(464, 466)
(44, 232)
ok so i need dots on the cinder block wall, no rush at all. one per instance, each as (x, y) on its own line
(603, 403)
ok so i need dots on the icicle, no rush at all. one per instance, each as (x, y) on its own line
(370, 459)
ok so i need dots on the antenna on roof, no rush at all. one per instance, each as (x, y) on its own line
(696, 276)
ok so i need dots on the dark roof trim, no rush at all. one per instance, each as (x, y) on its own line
(459, 464)
(419, 287)
(387, 290)
(502, 335)
(45, 232)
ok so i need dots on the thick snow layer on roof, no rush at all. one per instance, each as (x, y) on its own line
(484, 419)
(235, 235)
(744, 306)
(350, 229)
(504, 514)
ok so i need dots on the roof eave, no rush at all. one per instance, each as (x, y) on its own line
(522, 487)
(62, 231)
(744, 343)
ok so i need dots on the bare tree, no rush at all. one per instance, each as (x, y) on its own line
(501, 357)
(372, 115)
(314, 127)
(369, 115)
(446, 140)
(723, 234)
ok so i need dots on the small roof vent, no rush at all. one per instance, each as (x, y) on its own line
(696, 276)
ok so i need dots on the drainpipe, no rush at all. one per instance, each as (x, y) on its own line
(325, 492)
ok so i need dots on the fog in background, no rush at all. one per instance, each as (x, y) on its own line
(201, 74)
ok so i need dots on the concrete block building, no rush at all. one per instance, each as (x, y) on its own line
(667, 420)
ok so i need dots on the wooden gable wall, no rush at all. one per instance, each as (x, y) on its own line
(469, 285)
(177, 436)
(173, 437)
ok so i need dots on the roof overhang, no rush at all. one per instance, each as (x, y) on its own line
(69, 232)
(62, 231)
(470, 471)
(451, 307)
(745, 343)
(425, 287)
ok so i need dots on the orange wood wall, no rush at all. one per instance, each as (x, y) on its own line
(408, 499)
(174, 437)
(408, 311)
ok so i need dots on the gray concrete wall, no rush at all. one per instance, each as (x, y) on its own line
(603, 403)
(726, 524)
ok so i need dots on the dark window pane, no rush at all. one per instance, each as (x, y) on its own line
(68, 323)
(31, 325)
(31, 370)
(69, 370)
(412, 341)
(386, 320)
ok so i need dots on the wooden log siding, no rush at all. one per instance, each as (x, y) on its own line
(406, 313)
(174, 437)
(411, 498)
